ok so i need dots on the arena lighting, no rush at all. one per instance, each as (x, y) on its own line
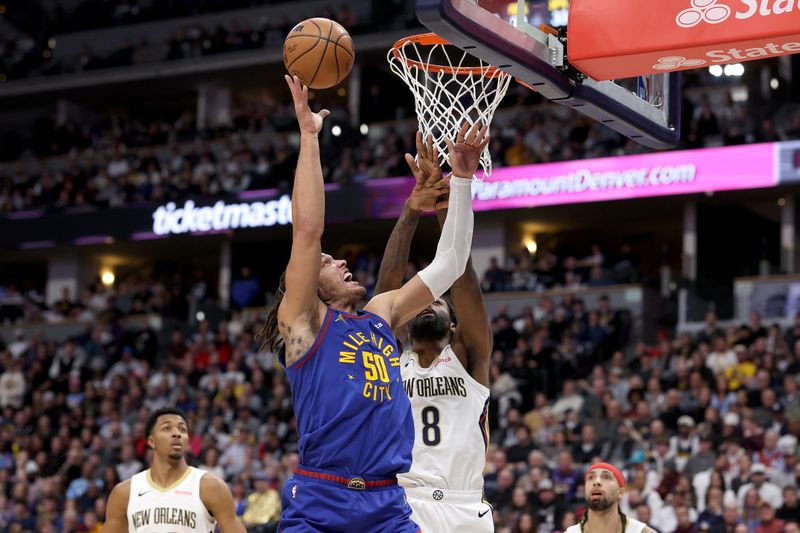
(221, 216)
(715, 70)
(364, 129)
(336, 130)
(107, 277)
(734, 70)
(774, 84)
(531, 245)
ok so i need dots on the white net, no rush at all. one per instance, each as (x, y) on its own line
(449, 86)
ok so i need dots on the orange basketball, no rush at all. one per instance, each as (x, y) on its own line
(319, 51)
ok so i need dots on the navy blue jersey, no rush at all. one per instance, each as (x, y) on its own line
(353, 415)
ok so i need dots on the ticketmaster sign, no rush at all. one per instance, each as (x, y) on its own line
(170, 219)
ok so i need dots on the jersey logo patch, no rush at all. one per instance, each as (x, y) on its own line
(143, 492)
(438, 495)
(184, 492)
(482, 514)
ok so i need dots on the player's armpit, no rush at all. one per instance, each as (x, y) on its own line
(117, 509)
(217, 498)
(401, 305)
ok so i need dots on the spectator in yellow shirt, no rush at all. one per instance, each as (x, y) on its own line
(740, 374)
(263, 507)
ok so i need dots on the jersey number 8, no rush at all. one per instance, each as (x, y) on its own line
(431, 434)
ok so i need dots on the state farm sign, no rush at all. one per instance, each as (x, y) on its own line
(627, 38)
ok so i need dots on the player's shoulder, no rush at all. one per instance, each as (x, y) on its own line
(121, 490)
(211, 487)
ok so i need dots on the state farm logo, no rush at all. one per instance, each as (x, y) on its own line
(714, 11)
(703, 11)
(676, 62)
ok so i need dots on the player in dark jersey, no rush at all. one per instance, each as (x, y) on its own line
(353, 417)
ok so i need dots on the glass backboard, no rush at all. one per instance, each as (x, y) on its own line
(507, 34)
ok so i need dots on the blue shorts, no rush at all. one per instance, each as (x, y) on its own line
(311, 505)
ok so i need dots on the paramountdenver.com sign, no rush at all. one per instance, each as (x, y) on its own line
(171, 219)
(591, 180)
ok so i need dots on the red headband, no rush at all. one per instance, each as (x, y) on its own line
(611, 468)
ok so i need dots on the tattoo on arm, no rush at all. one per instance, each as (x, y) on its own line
(296, 344)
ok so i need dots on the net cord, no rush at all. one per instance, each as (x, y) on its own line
(443, 99)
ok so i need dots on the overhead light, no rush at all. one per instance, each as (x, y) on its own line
(107, 277)
(781, 202)
(364, 129)
(715, 70)
(200, 316)
(336, 130)
(531, 245)
(734, 70)
(774, 83)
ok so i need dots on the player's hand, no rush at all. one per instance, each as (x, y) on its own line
(430, 184)
(309, 121)
(465, 154)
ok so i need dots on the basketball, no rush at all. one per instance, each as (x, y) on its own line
(319, 51)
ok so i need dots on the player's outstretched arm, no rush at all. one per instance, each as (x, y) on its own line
(472, 341)
(300, 303)
(117, 509)
(399, 306)
(428, 188)
(217, 498)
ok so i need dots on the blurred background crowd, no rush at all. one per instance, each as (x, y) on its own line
(109, 106)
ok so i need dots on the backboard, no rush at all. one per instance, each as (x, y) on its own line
(506, 34)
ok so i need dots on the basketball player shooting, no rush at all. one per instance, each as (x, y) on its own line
(171, 496)
(446, 368)
(604, 485)
(353, 417)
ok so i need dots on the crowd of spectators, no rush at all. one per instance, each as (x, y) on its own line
(34, 54)
(545, 270)
(170, 295)
(116, 162)
(705, 427)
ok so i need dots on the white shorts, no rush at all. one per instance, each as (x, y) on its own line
(450, 511)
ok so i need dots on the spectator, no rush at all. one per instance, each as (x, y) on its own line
(245, 290)
(263, 506)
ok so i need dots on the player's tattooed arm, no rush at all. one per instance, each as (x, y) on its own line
(473, 337)
(428, 189)
(297, 343)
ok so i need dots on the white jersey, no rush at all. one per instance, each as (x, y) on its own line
(631, 526)
(175, 509)
(450, 424)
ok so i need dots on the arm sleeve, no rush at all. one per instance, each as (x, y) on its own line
(455, 241)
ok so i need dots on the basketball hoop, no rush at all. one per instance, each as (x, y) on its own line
(449, 86)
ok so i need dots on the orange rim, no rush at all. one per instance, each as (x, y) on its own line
(431, 39)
